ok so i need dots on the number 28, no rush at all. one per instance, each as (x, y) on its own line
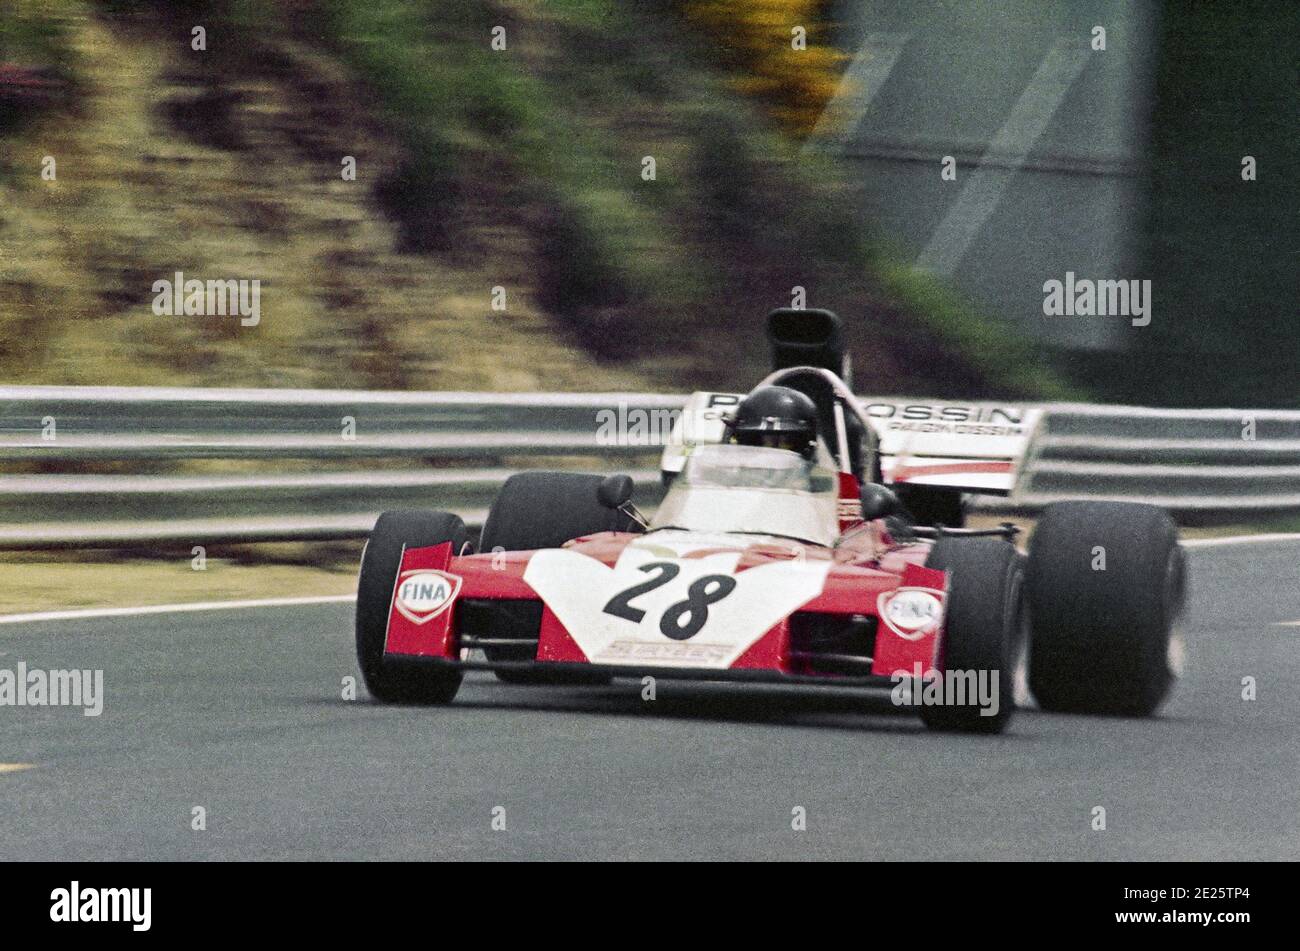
(683, 619)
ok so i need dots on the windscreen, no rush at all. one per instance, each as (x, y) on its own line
(752, 490)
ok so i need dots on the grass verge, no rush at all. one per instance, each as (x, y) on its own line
(75, 580)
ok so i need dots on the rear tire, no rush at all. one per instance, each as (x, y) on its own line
(393, 679)
(1102, 638)
(544, 510)
(983, 626)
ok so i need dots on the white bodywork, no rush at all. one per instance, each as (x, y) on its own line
(579, 589)
(968, 446)
(683, 569)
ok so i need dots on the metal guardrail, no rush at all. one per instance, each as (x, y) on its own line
(1198, 461)
(198, 470)
(228, 459)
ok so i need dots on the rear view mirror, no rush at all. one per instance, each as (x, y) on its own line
(614, 491)
(879, 502)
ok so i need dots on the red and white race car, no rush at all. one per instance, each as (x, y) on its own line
(780, 554)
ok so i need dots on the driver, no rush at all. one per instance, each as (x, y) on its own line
(777, 417)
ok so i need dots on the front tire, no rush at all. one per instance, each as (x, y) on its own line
(544, 510)
(394, 679)
(983, 627)
(1106, 582)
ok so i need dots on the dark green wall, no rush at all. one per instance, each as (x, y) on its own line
(1224, 254)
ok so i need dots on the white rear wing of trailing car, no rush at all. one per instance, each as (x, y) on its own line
(966, 447)
(703, 422)
(970, 447)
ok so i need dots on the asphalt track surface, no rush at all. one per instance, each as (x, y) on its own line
(239, 711)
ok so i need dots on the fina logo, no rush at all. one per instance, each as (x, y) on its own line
(911, 612)
(424, 593)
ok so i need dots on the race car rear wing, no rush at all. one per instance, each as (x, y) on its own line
(967, 447)
(703, 422)
(970, 447)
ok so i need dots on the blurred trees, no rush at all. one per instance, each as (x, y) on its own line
(522, 167)
(795, 80)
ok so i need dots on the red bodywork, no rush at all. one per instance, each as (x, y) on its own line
(866, 565)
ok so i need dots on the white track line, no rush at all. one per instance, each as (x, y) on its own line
(1241, 540)
(173, 608)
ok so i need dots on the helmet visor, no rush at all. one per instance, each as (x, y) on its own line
(793, 440)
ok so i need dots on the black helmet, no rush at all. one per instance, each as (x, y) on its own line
(779, 417)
